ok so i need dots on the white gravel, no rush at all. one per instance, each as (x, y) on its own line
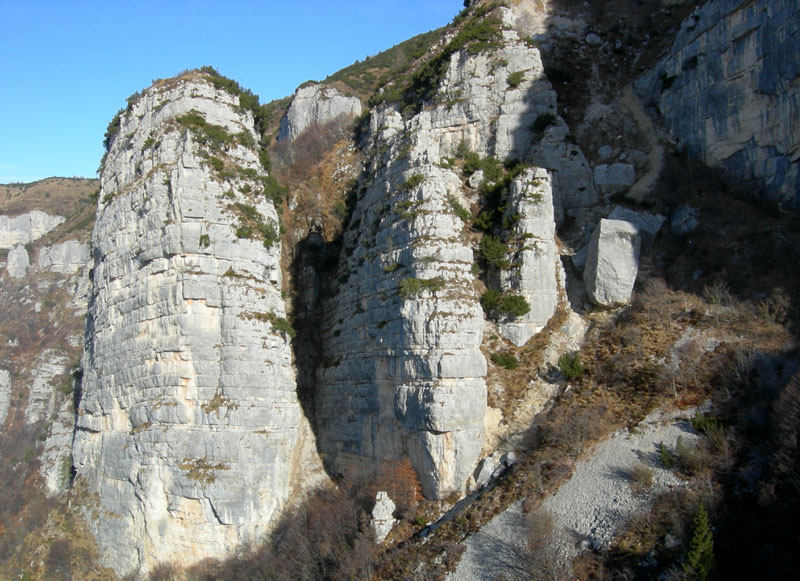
(590, 507)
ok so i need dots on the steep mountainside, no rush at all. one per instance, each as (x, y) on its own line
(380, 284)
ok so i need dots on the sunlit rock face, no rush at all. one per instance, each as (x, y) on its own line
(403, 375)
(188, 416)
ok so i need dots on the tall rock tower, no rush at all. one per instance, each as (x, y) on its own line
(189, 416)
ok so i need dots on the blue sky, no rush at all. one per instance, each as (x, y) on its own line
(67, 66)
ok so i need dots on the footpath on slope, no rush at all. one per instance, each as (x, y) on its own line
(590, 507)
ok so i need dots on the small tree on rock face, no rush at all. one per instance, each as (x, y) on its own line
(400, 480)
(700, 559)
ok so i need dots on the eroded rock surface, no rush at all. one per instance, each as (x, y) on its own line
(66, 258)
(536, 271)
(189, 415)
(26, 228)
(316, 104)
(612, 263)
(728, 91)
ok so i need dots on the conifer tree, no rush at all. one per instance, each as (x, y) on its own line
(700, 559)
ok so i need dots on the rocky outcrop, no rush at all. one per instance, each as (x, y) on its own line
(728, 91)
(26, 227)
(315, 103)
(189, 418)
(614, 178)
(612, 263)
(647, 224)
(536, 265)
(382, 516)
(5, 394)
(66, 258)
(403, 374)
(500, 104)
(41, 396)
(17, 262)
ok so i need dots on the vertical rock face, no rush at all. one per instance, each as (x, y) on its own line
(403, 374)
(5, 394)
(65, 258)
(26, 227)
(536, 262)
(17, 262)
(188, 416)
(728, 91)
(316, 104)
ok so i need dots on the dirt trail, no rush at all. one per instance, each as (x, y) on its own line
(655, 150)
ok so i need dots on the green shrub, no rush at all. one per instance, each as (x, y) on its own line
(704, 424)
(664, 455)
(413, 182)
(506, 359)
(205, 241)
(490, 300)
(281, 325)
(214, 136)
(459, 210)
(510, 305)
(216, 164)
(494, 252)
(513, 306)
(515, 78)
(570, 366)
(411, 287)
(543, 121)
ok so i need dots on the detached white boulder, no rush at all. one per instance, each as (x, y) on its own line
(382, 516)
(612, 263)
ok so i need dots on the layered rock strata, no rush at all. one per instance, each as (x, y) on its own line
(728, 91)
(402, 373)
(26, 228)
(189, 416)
(536, 266)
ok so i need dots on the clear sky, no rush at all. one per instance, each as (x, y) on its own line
(67, 66)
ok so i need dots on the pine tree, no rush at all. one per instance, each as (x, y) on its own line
(700, 559)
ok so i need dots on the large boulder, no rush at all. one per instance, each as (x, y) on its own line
(612, 263)
(614, 178)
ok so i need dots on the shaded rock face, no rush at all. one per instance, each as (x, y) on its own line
(188, 417)
(316, 104)
(728, 91)
(612, 263)
(26, 227)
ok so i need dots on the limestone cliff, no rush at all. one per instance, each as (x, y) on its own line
(728, 91)
(403, 374)
(188, 417)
